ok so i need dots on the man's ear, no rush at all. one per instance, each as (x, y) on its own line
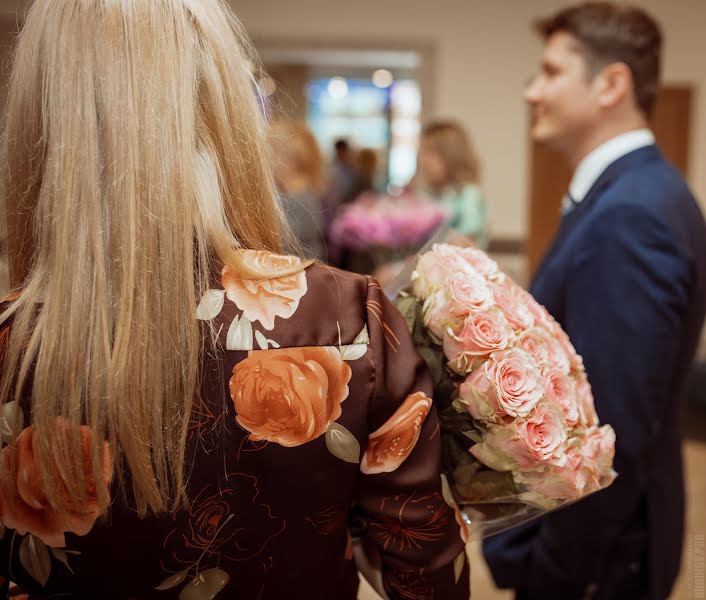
(614, 83)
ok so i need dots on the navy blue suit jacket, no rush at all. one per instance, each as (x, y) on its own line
(626, 278)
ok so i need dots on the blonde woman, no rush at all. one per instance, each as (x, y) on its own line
(299, 174)
(185, 412)
(449, 169)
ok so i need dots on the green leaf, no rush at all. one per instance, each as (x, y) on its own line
(205, 586)
(60, 555)
(35, 558)
(363, 337)
(172, 581)
(474, 435)
(342, 443)
(211, 305)
(239, 335)
(353, 351)
(261, 340)
(407, 305)
(435, 362)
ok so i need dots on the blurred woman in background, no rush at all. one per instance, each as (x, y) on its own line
(450, 172)
(185, 412)
(299, 174)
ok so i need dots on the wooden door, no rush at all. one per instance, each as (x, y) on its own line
(550, 174)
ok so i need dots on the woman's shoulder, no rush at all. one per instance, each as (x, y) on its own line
(309, 305)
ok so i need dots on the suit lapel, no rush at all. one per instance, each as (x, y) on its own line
(611, 173)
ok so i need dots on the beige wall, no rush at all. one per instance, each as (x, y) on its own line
(485, 53)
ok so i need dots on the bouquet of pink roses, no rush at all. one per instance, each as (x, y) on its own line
(520, 433)
(391, 222)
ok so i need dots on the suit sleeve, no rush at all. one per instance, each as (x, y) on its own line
(625, 298)
(407, 524)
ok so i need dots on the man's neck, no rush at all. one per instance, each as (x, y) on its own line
(600, 136)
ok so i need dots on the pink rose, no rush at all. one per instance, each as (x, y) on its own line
(479, 395)
(575, 360)
(539, 313)
(459, 295)
(584, 397)
(533, 341)
(565, 482)
(561, 390)
(467, 293)
(436, 314)
(588, 468)
(436, 267)
(518, 382)
(544, 349)
(598, 450)
(480, 261)
(509, 383)
(513, 304)
(544, 433)
(525, 444)
(479, 334)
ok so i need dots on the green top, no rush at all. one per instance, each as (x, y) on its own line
(466, 208)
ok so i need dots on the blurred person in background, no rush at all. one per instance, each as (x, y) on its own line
(626, 279)
(342, 177)
(449, 172)
(299, 175)
(366, 166)
(179, 416)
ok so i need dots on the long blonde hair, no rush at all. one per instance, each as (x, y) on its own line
(134, 162)
(298, 159)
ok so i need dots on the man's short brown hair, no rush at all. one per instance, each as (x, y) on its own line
(608, 33)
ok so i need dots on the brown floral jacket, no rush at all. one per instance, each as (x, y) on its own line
(314, 425)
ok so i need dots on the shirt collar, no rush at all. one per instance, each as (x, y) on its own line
(593, 165)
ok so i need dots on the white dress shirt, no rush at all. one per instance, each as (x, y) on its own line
(598, 160)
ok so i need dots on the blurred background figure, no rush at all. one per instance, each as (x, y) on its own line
(366, 171)
(299, 175)
(449, 171)
(342, 178)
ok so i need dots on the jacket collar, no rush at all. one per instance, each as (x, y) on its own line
(624, 164)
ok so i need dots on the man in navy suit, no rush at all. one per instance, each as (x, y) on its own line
(626, 278)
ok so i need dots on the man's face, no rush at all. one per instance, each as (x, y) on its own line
(563, 97)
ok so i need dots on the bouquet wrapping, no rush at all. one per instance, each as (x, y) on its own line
(520, 432)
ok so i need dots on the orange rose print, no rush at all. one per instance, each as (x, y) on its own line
(389, 446)
(28, 510)
(264, 299)
(289, 396)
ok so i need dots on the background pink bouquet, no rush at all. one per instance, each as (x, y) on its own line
(387, 222)
(519, 428)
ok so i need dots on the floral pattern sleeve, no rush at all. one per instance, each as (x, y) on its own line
(313, 423)
(409, 533)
